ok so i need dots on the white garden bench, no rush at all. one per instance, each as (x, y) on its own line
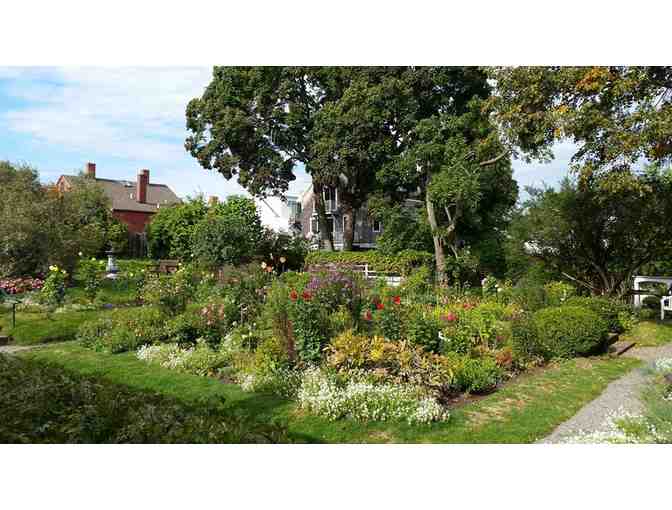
(665, 306)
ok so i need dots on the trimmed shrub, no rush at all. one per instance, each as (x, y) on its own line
(403, 262)
(525, 342)
(619, 316)
(569, 331)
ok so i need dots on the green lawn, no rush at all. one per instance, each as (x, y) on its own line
(524, 411)
(37, 328)
(650, 333)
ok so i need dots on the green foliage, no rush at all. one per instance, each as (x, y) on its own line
(615, 115)
(388, 319)
(418, 283)
(479, 375)
(310, 321)
(53, 290)
(39, 226)
(170, 293)
(90, 275)
(525, 342)
(618, 315)
(169, 234)
(558, 293)
(231, 235)
(404, 228)
(44, 403)
(599, 231)
(123, 330)
(568, 331)
(423, 329)
(528, 295)
(403, 262)
(282, 251)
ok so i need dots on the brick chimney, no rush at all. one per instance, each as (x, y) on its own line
(90, 170)
(141, 188)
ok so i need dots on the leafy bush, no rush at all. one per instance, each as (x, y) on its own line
(169, 234)
(619, 316)
(169, 293)
(528, 295)
(123, 330)
(388, 319)
(479, 375)
(419, 282)
(470, 327)
(568, 331)
(90, 277)
(403, 262)
(197, 360)
(322, 395)
(53, 290)
(230, 234)
(423, 329)
(270, 370)
(525, 342)
(395, 362)
(310, 322)
(46, 404)
(557, 293)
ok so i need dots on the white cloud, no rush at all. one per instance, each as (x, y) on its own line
(138, 115)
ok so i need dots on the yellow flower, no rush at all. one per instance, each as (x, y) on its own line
(80, 253)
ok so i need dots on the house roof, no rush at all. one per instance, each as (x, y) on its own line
(124, 197)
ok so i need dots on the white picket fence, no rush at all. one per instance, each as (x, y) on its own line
(391, 278)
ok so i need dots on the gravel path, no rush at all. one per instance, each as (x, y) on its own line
(622, 394)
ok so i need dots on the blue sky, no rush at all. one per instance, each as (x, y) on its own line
(124, 119)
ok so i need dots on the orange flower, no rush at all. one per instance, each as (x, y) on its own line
(293, 295)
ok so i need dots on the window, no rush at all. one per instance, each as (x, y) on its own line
(376, 225)
(315, 224)
(343, 218)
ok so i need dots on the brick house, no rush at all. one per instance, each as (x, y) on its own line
(133, 203)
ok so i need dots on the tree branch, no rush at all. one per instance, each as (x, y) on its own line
(495, 159)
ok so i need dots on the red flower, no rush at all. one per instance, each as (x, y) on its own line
(396, 300)
(307, 296)
(293, 295)
(451, 317)
(467, 306)
(380, 306)
(367, 315)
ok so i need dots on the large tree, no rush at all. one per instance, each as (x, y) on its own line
(257, 123)
(599, 232)
(616, 115)
(354, 138)
(447, 145)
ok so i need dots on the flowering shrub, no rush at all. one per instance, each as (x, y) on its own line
(322, 395)
(20, 285)
(53, 290)
(89, 274)
(197, 360)
(170, 293)
(388, 317)
(423, 329)
(123, 330)
(310, 323)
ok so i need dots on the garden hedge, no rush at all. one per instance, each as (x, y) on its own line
(403, 262)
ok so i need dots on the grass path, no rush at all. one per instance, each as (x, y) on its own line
(524, 411)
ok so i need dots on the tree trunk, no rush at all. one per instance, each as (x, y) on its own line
(349, 216)
(439, 253)
(326, 237)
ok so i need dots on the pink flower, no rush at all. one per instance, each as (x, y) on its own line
(367, 315)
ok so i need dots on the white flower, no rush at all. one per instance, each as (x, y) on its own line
(81, 254)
